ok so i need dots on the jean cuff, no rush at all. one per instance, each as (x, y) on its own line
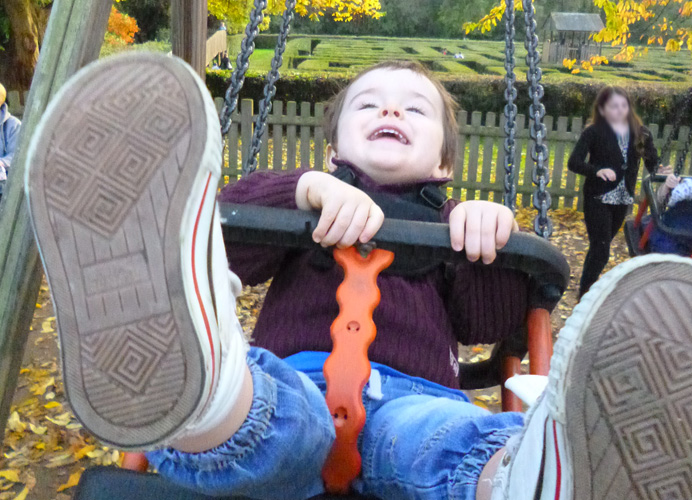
(243, 442)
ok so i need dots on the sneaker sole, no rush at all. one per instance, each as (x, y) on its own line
(114, 165)
(622, 383)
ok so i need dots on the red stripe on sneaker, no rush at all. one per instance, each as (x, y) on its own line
(194, 279)
(559, 465)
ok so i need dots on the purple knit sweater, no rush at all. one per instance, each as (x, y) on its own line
(419, 320)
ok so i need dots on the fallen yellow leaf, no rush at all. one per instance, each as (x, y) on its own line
(22, 494)
(39, 388)
(40, 445)
(73, 480)
(52, 404)
(15, 424)
(84, 451)
(38, 429)
(10, 475)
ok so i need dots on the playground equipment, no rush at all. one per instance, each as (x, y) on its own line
(75, 31)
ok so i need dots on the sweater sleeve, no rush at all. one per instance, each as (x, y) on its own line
(256, 264)
(651, 159)
(485, 304)
(577, 160)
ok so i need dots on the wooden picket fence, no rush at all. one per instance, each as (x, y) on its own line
(478, 173)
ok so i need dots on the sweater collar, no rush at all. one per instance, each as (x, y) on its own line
(369, 183)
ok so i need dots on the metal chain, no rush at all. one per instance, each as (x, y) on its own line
(682, 154)
(247, 47)
(542, 224)
(682, 110)
(265, 105)
(510, 196)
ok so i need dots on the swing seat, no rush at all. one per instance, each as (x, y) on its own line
(412, 243)
(114, 483)
(638, 230)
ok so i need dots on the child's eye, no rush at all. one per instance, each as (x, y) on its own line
(367, 105)
(414, 109)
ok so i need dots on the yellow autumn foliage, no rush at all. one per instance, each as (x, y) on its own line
(669, 23)
(236, 12)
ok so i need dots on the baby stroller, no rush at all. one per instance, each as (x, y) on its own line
(639, 231)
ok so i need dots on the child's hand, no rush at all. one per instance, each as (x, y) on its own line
(672, 181)
(667, 170)
(482, 228)
(348, 214)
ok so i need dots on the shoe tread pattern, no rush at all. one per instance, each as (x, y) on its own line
(110, 173)
(638, 397)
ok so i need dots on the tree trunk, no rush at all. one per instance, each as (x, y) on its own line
(24, 43)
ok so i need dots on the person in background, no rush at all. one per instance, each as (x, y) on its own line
(608, 154)
(226, 61)
(9, 135)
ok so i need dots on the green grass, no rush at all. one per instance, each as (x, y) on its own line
(345, 56)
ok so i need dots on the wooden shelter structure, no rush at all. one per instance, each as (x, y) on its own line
(568, 35)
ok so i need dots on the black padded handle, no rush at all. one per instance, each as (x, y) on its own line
(422, 242)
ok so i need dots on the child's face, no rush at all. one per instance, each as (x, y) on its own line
(391, 127)
(616, 109)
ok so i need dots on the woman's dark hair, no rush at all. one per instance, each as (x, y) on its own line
(635, 122)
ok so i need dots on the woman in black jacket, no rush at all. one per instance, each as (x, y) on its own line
(608, 154)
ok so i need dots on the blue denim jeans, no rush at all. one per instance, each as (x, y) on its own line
(420, 441)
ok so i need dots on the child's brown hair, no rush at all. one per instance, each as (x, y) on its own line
(450, 126)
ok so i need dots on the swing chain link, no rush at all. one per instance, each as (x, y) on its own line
(247, 47)
(543, 226)
(265, 105)
(510, 195)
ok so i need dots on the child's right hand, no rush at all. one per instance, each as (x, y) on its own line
(672, 181)
(348, 215)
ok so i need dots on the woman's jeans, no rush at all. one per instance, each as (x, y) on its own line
(420, 441)
(603, 222)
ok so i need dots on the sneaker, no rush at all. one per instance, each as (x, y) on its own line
(615, 421)
(122, 183)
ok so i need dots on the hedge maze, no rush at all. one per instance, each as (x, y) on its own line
(343, 56)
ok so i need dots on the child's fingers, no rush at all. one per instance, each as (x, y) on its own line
(341, 223)
(457, 228)
(354, 230)
(505, 226)
(472, 240)
(373, 224)
(327, 216)
(489, 225)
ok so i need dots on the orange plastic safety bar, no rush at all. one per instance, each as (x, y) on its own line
(347, 368)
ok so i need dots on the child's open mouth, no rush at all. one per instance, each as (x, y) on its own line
(389, 133)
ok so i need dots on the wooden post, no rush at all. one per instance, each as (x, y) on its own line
(73, 38)
(189, 32)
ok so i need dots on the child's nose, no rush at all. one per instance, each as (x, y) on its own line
(390, 111)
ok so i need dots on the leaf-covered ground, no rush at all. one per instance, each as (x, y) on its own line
(46, 449)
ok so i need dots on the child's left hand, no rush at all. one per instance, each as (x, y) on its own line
(482, 228)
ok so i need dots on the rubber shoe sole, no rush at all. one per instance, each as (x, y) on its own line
(114, 184)
(621, 381)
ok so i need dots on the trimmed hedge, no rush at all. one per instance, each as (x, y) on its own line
(656, 103)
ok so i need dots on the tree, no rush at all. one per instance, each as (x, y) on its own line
(26, 20)
(121, 28)
(667, 23)
(236, 12)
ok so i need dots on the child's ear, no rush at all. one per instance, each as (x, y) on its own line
(444, 171)
(329, 155)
